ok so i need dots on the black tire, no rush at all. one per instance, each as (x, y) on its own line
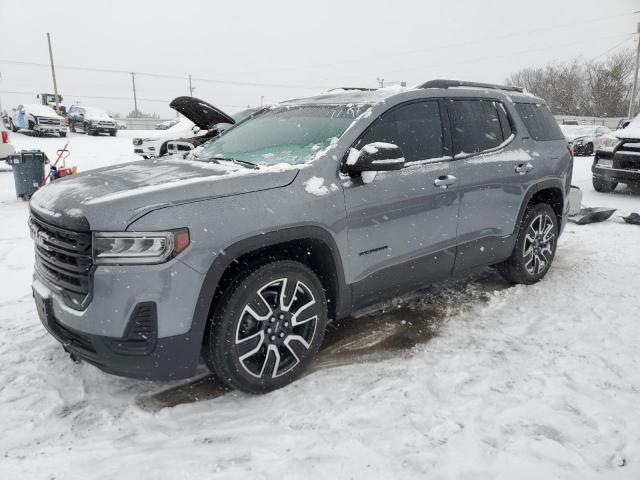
(535, 246)
(588, 150)
(113, 133)
(261, 350)
(13, 127)
(605, 186)
(72, 127)
(63, 134)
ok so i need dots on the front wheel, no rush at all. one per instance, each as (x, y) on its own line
(588, 151)
(268, 327)
(535, 246)
(604, 186)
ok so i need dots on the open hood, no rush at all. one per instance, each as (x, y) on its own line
(203, 114)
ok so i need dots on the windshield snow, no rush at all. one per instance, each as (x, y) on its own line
(283, 135)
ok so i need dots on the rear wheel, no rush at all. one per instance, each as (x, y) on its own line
(267, 328)
(535, 246)
(601, 185)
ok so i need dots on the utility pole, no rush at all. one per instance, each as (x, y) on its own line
(634, 90)
(135, 98)
(261, 100)
(53, 74)
(191, 89)
(380, 82)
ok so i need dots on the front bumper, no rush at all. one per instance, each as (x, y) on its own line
(616, 174)
(50, 128)
(146, 151)
(138, 323)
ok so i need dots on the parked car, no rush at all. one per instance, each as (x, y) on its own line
(623, 123)
(40, 119)
(313, 210)
(201, 120)
(617, 159)
(167, 124)
(187, 107)
(584, 139)
(6, 148)
(91, 120)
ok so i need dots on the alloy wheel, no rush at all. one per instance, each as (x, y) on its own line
(276, 328)
(539, 244)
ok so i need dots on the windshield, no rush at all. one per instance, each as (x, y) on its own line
(95, 112)
(283, 135)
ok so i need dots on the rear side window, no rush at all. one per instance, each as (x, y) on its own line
(476, 125)
(416, 128)
(539, 121)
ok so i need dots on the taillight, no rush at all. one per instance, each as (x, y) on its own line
(5, 136)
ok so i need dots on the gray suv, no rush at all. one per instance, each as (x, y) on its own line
(315, 208)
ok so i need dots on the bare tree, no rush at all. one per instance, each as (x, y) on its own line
(581, 87)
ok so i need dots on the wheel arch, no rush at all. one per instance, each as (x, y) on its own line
(313, 246)
(548, 191)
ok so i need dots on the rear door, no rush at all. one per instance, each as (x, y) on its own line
(402, 226)
(494, 174)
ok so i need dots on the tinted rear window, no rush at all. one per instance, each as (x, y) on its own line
(539, 121)
(476, 126)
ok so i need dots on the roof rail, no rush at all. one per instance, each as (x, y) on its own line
(363, 89)
(462, 83)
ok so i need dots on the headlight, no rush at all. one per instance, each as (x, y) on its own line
(138, 247)
(607, 141)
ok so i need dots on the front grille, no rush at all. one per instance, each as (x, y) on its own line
(627, 156)
(63, 260)
(106, 124)
(48, 121)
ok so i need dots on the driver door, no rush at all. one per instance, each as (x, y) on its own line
(402, 226)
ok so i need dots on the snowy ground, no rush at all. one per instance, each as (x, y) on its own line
(473, 380)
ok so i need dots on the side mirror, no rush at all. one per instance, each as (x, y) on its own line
(196, 129)
(376, 157)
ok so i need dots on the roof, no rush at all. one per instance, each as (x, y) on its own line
(434, 88)
(347, 96)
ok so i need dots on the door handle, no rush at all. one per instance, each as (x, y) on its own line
(443, 181)
(524, 168)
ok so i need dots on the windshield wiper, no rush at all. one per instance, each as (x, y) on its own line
(244, 163)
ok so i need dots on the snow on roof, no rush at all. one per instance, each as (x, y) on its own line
(37, 109)
(349, 96)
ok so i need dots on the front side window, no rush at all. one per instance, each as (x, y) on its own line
(416, 128)
(283, 135)
(476, 126)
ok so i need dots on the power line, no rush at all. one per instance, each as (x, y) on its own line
(451, 45)
(98, 97)
(316, 87)
(162, 75)
(489, 57)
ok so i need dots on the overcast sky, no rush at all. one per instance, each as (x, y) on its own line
(303, 46)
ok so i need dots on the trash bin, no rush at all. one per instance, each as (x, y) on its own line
(28, 171)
